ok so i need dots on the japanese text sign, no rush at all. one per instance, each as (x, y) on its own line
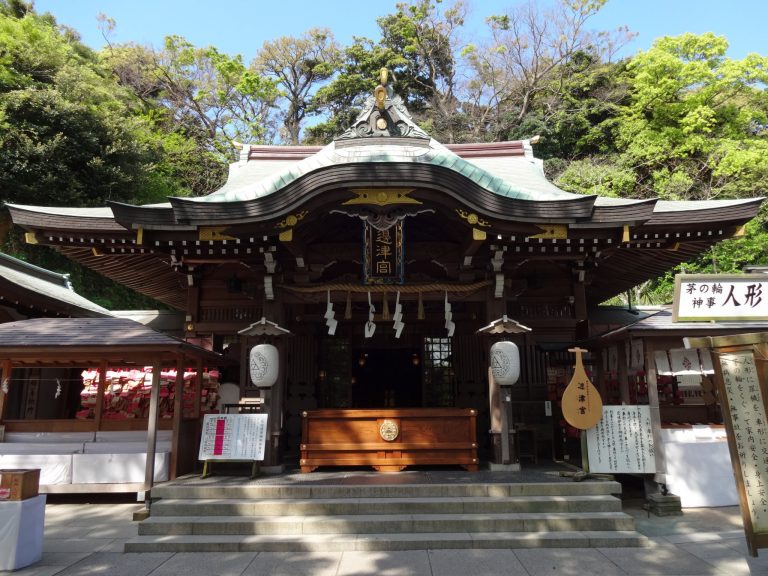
(233, 437)
(622, 442)
(384, 254)
(704, 297)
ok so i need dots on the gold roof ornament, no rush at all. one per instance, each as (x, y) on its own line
(380, 93)
(384, 114)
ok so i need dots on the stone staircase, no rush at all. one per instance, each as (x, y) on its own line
(244, 518)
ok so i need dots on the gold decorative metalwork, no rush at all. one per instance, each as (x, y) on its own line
(382, 196)
(472, 218)
(286, 235)
(551, 231)
(140, 236)
(291, 220)
(213, 233)
(389, 430)
(478, 234)
(30, 238)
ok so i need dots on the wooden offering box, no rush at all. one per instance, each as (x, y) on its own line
(21, 483)
(389, 439)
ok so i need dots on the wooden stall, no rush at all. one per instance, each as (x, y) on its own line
(97, 454)
(389, 440)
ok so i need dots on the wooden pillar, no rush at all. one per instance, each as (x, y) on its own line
(154, 409)
(198, 388)
(579, 300)
(5, 376)
(245, 349)
(624, 372)
(494, 399)
(495, 308)
(653, 401)
(99, 408)
(276, 412)
(177, 417)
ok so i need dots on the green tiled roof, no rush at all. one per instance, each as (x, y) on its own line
(519, 177)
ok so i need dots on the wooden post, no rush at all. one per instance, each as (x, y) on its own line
(154, 405)
(276, 412)
(99, 409)
(198, 388)
(494, 400)
(653, 401)
(5, 375)
(245, 349)
(579, 300)
(505, 427)
(624, 373)
(177, 417)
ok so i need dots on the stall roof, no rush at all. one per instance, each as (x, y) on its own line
(40, 289)
(661, 324)
(61, 341)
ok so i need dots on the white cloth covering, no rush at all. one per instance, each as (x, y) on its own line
(54, 468)
(21, 532)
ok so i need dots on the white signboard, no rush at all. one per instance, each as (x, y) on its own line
(750, 431)
(704, 297)
(622, 442)
(233, 437)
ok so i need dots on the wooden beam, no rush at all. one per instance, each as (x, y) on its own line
(154, 409)
(468, 249)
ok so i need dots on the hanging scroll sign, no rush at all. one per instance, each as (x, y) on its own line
(264, 365)
(582, 405)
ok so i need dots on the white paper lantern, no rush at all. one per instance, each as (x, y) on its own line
(264, 363)
(505, 363)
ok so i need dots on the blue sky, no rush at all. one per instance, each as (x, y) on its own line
(240, 27)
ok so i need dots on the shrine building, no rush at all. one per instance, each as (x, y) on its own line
(383, 254)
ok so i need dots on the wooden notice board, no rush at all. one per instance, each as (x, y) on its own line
(740, 376)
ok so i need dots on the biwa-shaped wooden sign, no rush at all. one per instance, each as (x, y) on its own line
(582, 405)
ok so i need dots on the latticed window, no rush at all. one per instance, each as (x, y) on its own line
(439, 377)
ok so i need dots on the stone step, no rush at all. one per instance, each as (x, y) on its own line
(376, 523)
(373, 542)
(317, 506)
(273, 491)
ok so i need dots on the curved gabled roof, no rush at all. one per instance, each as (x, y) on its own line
(522, 178)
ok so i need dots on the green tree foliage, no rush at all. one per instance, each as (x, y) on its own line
(688, 130)
(198, 93)
(67, 133)
(298, 66)
(342, 99)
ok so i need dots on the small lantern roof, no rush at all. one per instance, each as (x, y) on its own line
(265, 327)
(504, 325)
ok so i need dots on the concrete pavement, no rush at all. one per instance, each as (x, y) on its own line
(87, 539)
